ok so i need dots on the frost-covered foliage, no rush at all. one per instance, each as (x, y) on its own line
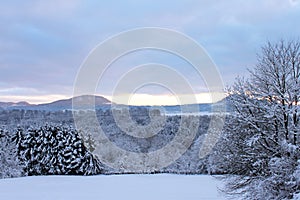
(55, 150)
(117, 129)
(9, 163)
(261, 139)
(226, 155)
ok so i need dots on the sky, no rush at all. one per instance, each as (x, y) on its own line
(44, 43)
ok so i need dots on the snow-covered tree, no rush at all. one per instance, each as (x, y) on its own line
(55, 150)
(262, 137)
(9, 163)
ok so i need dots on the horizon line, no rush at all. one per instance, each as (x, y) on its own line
(134, 100)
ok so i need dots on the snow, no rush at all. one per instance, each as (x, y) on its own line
(110, 187)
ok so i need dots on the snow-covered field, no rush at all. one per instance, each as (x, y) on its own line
(131, 187)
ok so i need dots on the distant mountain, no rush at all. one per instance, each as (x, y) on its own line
(89, 101)
(81, 102)
(12, 104)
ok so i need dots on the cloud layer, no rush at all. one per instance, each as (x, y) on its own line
(43, 43)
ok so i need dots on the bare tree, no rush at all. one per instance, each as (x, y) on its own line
(265, 122)
(276, 79)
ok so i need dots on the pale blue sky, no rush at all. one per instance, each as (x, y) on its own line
(43, 43)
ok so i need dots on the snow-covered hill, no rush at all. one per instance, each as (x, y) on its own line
(131, 187)
(13, 105)
(83, 102)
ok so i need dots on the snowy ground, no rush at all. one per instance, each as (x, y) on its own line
(131, 187)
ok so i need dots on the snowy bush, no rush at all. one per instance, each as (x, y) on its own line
(55, 150)
(9, 163)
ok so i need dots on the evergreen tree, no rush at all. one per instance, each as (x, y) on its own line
(53, 150)
(9, 163)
